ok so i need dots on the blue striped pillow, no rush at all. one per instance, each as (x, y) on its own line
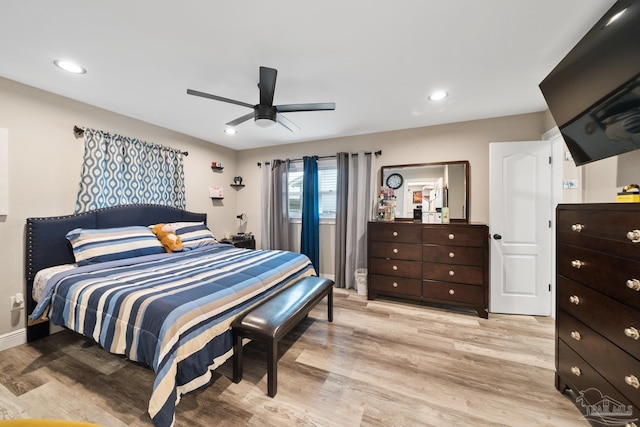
(193, 234)
(91, 246)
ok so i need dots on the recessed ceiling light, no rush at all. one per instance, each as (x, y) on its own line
(69, 66)
(615, 17)
(230, 131)
(438, 95)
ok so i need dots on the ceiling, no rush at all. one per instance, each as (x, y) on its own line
(377, 60)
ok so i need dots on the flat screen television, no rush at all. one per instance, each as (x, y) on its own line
(593, 94)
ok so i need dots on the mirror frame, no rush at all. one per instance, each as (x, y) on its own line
(419, 165)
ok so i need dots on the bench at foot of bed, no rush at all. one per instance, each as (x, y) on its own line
(271, 320)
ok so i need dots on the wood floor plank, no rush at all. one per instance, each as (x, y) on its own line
(380, 363)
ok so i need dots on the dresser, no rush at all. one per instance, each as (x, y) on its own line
(598, 308)
(434, 263)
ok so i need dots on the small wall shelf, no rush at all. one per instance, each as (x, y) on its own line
(217, 168)
(217, 198)
(237, 185)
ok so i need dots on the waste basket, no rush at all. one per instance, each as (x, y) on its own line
(361, 281)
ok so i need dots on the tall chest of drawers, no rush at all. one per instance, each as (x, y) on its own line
(439, 263)
(598, 308)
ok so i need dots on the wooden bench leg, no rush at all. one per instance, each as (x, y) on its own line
(330, 305)
(237, 358)
(272, 368)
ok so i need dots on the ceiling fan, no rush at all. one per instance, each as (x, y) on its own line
(266, 114)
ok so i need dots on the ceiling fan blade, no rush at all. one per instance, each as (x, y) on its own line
(287, 123)
(290, 108)
(218, 98)
(241, 119)
(267, 85)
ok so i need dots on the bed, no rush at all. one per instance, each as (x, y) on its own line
(170, 311)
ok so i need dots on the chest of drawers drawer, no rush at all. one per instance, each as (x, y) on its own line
(455, 235)
(453, 273)
(396, 250)
(452, 292)
(394, 267)
(589, 385)
(396, 285)
(453, 255)
(620, 324)
(394, 232)
(615, 277)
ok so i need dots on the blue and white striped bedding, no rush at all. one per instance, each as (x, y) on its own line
(171, 311)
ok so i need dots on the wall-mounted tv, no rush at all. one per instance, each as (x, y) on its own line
(594, 92)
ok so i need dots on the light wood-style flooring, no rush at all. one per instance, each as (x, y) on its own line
(380, 363)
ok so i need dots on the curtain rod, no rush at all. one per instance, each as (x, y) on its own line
(78, 132)
(376, 153)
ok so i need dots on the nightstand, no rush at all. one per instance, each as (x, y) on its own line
(246, 243)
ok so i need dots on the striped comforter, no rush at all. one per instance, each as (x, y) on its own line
(171, 311)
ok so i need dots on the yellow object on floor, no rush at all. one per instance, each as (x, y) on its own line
(45, 423)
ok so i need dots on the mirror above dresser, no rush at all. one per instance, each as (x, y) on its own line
(408, 182)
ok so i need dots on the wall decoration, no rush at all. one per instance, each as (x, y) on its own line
(417, 197)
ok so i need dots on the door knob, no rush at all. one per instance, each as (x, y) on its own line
(497, 236)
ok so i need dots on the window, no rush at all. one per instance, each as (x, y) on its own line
(327, 182)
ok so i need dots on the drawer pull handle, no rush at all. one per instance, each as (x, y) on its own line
(576, 371)
(394, 268)
(633, 284)
(634, 236)
(395, 284)
(451, 254)
(451, 272)
(573, 299)
(452, 236)
(395, 234)
(395, 251)
(632, 380)
(451, 292)
(632, 333)
(576, 263)
(576, 335)
(577, 228)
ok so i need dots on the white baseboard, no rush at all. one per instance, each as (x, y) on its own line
(13, 339)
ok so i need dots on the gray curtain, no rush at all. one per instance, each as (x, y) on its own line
(275, 207)
(354, 209)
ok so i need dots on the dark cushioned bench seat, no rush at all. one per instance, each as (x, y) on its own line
(272, 319)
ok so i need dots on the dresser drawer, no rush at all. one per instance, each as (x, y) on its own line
(395, 250)
(395, 232)
(599, 353)
(615, 277)
(396, 285)
(453, 292)
(455, 235)
(467, 274)
(619, 323)
(608, 222)
(395, 267)
(589, 386)
(453, 255)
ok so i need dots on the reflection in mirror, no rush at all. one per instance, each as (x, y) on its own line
(419, 187)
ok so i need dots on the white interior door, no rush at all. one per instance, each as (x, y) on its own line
(520, 218)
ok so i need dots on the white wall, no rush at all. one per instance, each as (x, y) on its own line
(44, 170)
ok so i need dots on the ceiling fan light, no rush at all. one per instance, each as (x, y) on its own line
(265, 123)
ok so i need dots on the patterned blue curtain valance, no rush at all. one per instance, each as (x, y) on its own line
(118, 170)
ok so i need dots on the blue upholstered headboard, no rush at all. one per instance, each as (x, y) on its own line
(46, 244)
